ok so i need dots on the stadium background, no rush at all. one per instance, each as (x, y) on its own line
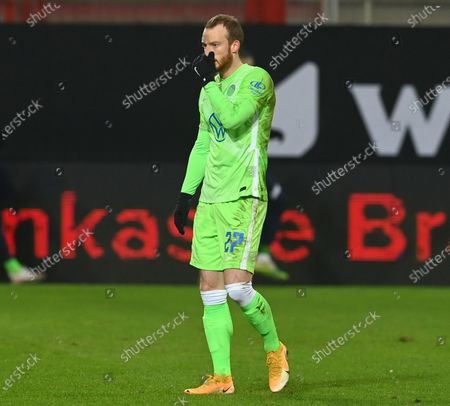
(83, 161)
(88, 153)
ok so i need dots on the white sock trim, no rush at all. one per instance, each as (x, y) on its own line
(241, 292)
(213, 297)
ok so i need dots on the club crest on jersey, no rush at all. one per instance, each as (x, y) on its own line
(257, 87)
(217, 127)
(231, 90)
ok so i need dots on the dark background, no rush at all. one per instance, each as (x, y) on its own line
(96, 74)
(135, 159)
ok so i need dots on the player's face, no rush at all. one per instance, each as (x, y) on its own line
(216, 40)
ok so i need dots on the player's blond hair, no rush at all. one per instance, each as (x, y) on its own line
(231, 23)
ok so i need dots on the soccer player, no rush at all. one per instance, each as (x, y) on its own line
(236, 107)
(16, 272)
(264, 263)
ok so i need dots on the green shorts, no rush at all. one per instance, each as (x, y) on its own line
(226, 235)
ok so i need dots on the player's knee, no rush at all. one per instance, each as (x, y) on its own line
(210, 280)
(213, 297)
(242, 292)
(206, 285)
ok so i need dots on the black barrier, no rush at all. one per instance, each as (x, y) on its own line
(114, 93)
(112, 223)
(360, 145)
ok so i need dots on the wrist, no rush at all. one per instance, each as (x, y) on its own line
(184, 197)
(207, 85)
(208, 78)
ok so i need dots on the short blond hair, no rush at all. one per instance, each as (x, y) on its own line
(231, 23)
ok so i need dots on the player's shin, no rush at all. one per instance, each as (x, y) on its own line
(218, 327)
(257, 311)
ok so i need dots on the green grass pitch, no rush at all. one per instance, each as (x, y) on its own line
(78, 333)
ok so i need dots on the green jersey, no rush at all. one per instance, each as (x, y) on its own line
(230, 153)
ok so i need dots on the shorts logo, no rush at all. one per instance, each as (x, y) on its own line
(230, 245)
(217, 127)
(257, 87)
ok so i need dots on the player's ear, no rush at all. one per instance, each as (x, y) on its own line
(235, 46)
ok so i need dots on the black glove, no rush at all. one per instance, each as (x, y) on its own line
(181, 211)
(204, 66)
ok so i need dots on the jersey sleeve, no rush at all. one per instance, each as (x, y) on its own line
(195, 171)
(256, 87)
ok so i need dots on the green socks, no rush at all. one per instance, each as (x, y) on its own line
(12, 265)
(259, 315)
(218, 330)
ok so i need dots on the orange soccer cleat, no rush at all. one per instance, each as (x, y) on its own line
(214, 384)
(278, 368)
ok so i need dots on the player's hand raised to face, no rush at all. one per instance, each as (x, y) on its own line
(204, 66)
